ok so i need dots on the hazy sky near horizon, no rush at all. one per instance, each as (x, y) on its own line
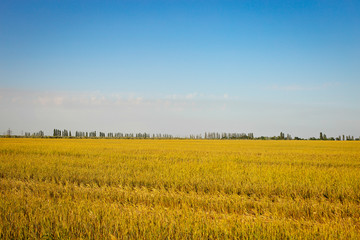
(181, 67)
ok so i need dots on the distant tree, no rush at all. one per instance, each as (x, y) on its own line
(38, 134)
(8, 132)
(250, 136)
(57, 133)
(282, 135)
(288, 137)
(65, 133)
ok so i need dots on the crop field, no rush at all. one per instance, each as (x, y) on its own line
(179, 189)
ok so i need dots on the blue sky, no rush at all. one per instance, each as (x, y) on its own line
(181, 67)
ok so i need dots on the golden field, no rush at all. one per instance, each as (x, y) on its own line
(179, 189)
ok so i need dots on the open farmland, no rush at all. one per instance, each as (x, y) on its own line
(179, 189)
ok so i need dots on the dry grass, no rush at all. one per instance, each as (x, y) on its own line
(179, 189)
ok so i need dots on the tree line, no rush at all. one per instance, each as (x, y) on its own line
(57, 133)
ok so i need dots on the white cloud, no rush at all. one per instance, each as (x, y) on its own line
(75, 100)
(191, 95)
(297, 87)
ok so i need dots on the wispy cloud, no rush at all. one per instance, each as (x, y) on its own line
(180, 113)
(298, 87)
(45, 110)
(199, 96)
(97, 99)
